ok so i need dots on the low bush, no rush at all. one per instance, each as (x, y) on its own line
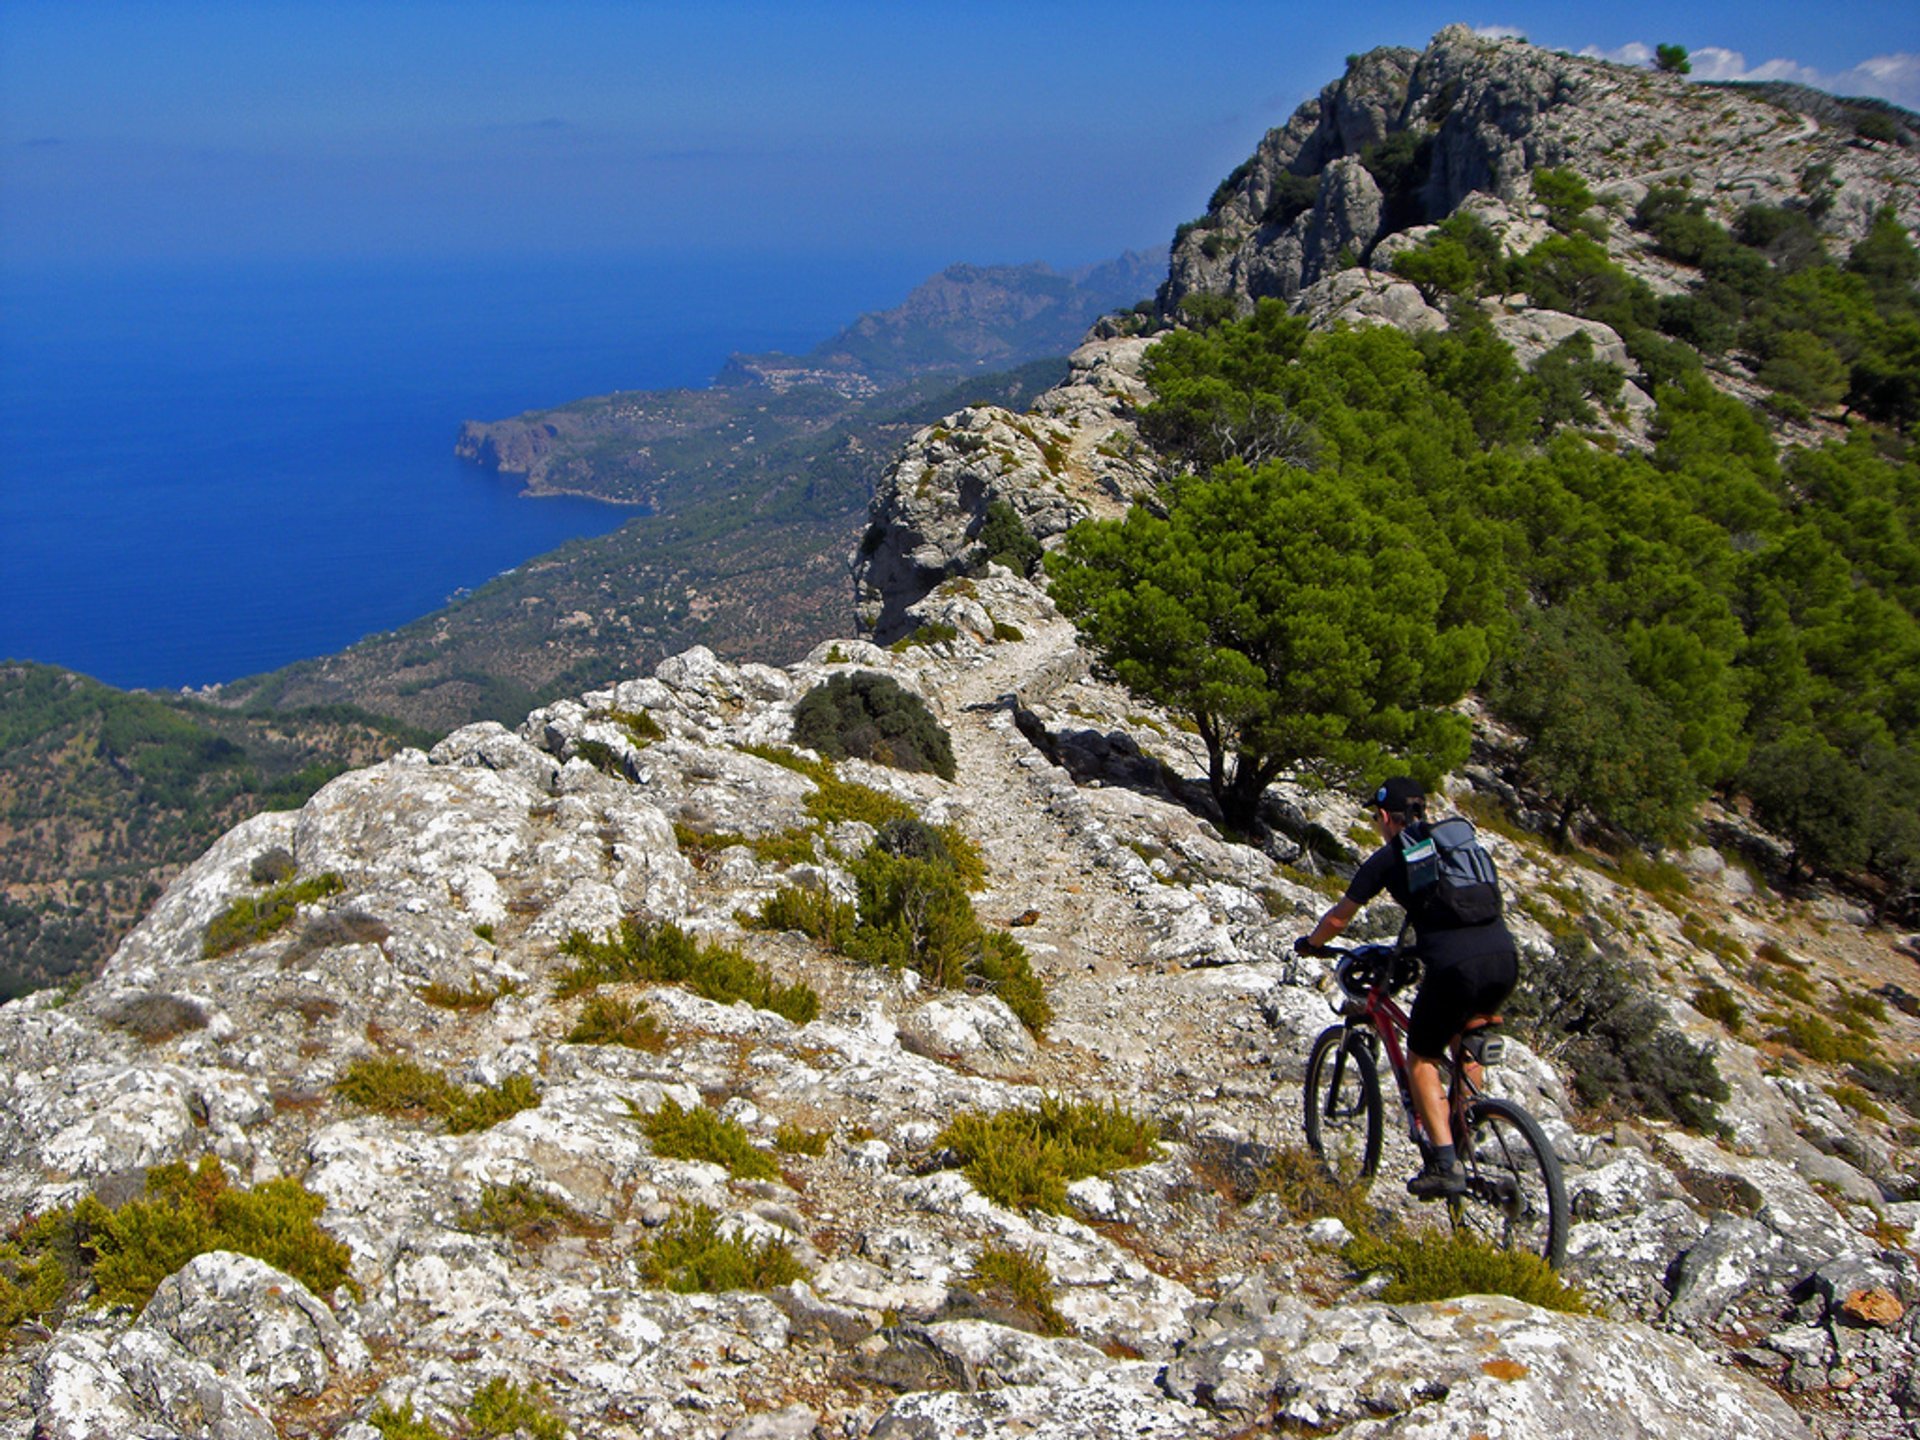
(1814, 1038)
(403, 1424)
(390, 1085)
(336, 928)
(789, 847)
(1856, 1099)
(701, 1134)
(155, 1016)
(937, 633)
(1025, 1159)
(870, 716)
(642, 729)
(1004, 539)
(810, 910)
(525, 1214)
(272, 867)
(1716, 1002)
(251, 919)
(689, 1255)
(501, 1408)
(915, 914)
(181, 1213)
(1595, 1011)
(792, 1139)
(1431, 1265)
(666, 955)
(466, 997)
(1021, 1283)
(1299, 1180)
(482, 1109)
(608, 1020)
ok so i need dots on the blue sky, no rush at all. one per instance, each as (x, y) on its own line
(989, 132)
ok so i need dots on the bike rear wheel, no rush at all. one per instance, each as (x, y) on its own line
(1344, 1116)
(1515, 1197)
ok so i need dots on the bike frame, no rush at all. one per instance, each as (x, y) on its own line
(1388, 1023)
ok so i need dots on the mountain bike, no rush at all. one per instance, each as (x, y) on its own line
(1515, 1197)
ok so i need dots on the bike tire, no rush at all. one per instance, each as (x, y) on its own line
(1345, 1119)
(1516, 1198)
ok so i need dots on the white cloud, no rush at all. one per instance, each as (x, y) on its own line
(1633, 53)
(1499, 32)
(1894, 77)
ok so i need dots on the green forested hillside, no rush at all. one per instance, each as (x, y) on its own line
(1732, 608)
(105, 795)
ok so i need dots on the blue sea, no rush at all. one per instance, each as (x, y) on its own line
(211, 470)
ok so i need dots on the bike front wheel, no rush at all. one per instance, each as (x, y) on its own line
(1515, 1197)
(1344, 1116)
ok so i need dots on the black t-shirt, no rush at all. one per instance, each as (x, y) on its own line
(1440, 938)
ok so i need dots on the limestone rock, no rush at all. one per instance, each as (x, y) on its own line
(1482, 1364)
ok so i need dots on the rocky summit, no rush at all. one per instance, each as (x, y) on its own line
(560, 1080)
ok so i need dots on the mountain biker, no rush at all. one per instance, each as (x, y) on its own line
(1467, 972)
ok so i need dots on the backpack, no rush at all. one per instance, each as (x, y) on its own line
(1450, 875)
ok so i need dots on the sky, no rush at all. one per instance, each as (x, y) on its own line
(989, 132)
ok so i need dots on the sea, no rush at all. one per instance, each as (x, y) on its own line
(212, 469)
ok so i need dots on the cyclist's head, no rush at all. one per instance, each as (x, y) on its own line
(1403, 799)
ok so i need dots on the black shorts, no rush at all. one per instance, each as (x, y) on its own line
(1452, 991)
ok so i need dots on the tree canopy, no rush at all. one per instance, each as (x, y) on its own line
(1293, 624)
(1360, 525)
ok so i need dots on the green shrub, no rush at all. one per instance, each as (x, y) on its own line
(690, 1255)
(1025, 1159)
(788, 847)
(466, 997)
(792, 1139)
(870, 715)
(390, 1085)
(272, 867)
(501, 1408)
(1784, 978)
(333, 929)
(1594, 1010)
(608, 1020)
(1430, 1265)
(1005, 540)
(1814, 1038)
(936, 633)
(666, 955)
(33, 1281)
(482, 1109)
(1004, 631)
(187, 1212)
(1716, 1002)
(1021, 1283)
(602, 756)
(251, 919)
(153, 1016)
(525, 1214)
(1717, 942)
(1301, 1182)
(642, 729)
(810, 910)
(403, 1424)
(1860, 1102)
(915, 914)
(702, 1134)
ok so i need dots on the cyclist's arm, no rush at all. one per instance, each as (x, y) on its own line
(1367, 882)
(1334, 921)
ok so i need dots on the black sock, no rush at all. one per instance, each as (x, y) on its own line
(1444, 1157)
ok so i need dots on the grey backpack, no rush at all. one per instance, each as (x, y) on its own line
(1450, 875)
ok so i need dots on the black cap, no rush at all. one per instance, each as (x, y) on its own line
(1399, 795)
